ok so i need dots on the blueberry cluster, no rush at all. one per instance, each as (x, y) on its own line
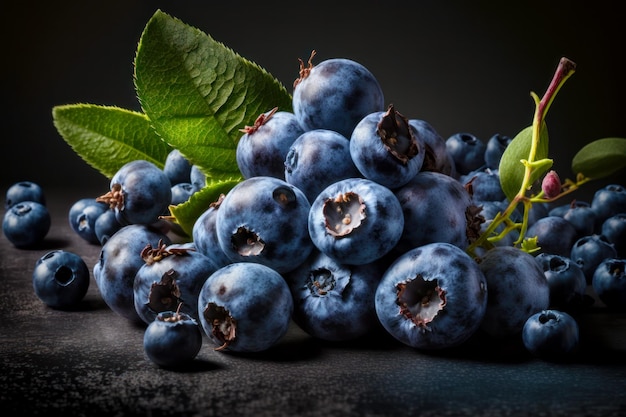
(350, 218)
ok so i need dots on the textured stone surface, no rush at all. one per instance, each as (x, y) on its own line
(91, 362)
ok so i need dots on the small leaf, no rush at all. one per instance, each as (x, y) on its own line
(600, 158)
(199, 93)
(108, 137)
(512, 170)
(188, 212)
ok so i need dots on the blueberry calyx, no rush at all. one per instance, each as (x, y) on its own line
(165, 294)
(420, 300)
(260, 121)
(114, 198)
(246, 242)
(320, 282)
(223, 325)
(152, 254)
(304, 70)
(343, 214)
(474, 220)
(397, 136)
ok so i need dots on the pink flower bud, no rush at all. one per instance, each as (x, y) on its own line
(551, 185)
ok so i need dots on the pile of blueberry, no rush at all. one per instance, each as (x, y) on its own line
(351, 218)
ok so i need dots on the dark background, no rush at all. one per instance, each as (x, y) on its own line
(462, 66)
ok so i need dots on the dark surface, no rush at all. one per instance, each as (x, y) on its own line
(91, 362)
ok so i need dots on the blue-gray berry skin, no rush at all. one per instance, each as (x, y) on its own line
(495, 147)
(518, 289)
(609, 283)
(435, 207)
(554, 235)
(336, 94)
(551, 334)
(467, 152)
(335, 301)
(181, 192)
(197, 178)
(264, 220)
(105, 226)
(120, 259)
(204, 235)
(608, 201)
(245, 307)
(24, 191)
(140, 193)
(262, 149)
(589, 251)
(82, 218)
(582, 217)
(484, 185)
(566, 281)
(614, 229)
(177, 168)
(386, 148)
(61, 279)
(26, 224)
(318, 158)
(432, 297)
(436, 156)
(170, 280)
(355, 221)
(172, 339)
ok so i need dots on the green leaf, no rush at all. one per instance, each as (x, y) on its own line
(108, 137)
(188, 212)
(511, 169)
(199, 93)
(600, 158)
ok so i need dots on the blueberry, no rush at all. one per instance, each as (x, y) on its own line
(551, 334)
(432, 297)
(171, 275)
(495, 147)
(245, 307)
(436, 208)
(204, 235)
(262, 149)
(582, 217)
(589, 251)
(61, 279)
(24, 191)
(614, 229)
(172, 339)
(608, 201)
(566, 281)
(181, 192)
(318, 158)
(334, 301)
(518, 288)
(106, 225)
(355, 221)
(197, 178)
(554, 235)
(264, 220)
(140, 193)
(335, 94)
(120, 259)
(82, 218)
(484, 185)
(436, 156)
(467, 152)
(26, 223)
(386, 149)
(177, 168)
(561, 209)
(609, 283)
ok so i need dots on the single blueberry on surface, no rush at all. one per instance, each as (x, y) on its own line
(61, 279)
(26, 224)
(355, 221)
(432, 297)
(245, 307)
(172, 339)
(551, 334)
(335, 94)
(24, 191)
